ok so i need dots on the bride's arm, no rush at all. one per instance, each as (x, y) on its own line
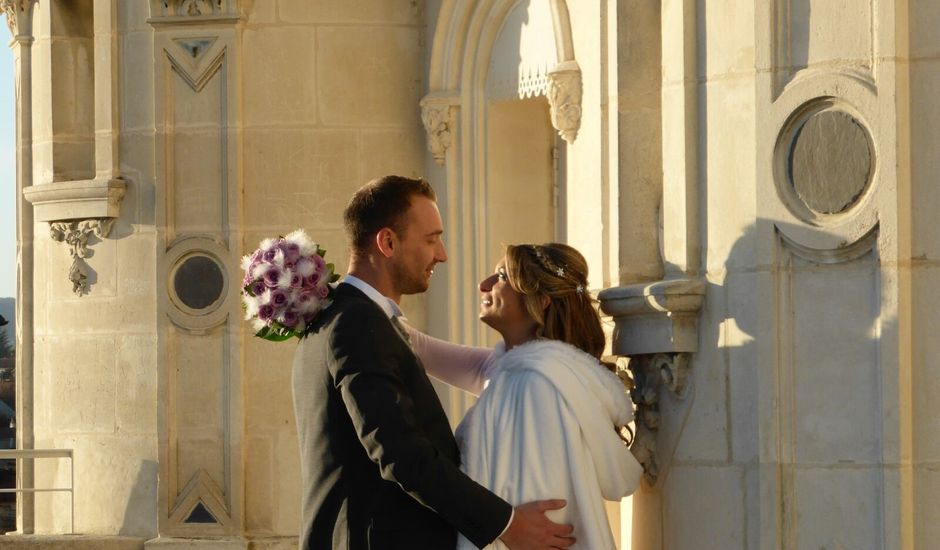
(462, 366)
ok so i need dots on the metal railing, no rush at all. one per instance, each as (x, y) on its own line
(32, 454)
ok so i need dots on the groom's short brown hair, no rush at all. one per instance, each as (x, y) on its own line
(381, 203)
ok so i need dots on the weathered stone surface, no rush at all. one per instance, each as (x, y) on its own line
(831, 162)
(69, 542)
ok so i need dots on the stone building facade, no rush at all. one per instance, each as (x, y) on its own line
(753, 184)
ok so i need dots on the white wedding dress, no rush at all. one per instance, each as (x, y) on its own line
(543, 428)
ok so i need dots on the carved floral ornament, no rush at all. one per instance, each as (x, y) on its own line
(652, 374)
(172, 12)
(75, 234)
(438, 117)
(15, 10)
(564, 91)
(564, 97)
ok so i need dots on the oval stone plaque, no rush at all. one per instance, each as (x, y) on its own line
(830, 162)
(198, 282)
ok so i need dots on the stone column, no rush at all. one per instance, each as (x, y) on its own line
(19, 19)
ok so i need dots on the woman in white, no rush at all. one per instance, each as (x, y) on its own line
(547, 422)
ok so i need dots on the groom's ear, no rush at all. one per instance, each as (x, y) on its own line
(386, 241)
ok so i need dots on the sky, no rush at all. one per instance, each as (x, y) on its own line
(7, 170)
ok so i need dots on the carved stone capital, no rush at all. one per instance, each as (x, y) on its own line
(564, 97)
(75, 234)
(438, 117)
(17, 12)
(652, 375)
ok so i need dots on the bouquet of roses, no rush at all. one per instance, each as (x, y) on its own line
(287, 282)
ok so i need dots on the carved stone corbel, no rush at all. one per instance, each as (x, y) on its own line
(438, 116)
(76, 234)
(653, 373)
(656, 326)
(564, 97)
(76, 210)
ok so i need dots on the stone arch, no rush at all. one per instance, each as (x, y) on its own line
(453, 113)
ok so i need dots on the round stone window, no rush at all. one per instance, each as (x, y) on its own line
(830, 163)
(198, 282)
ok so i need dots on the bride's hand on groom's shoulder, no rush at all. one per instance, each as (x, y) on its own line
(531, 530)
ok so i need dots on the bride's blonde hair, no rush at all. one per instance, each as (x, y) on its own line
(558, 272)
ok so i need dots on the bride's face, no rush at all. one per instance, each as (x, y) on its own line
(501, 307)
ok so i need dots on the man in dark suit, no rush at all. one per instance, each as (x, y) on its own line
(380, 463)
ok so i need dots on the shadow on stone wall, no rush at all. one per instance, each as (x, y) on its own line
(140, 515)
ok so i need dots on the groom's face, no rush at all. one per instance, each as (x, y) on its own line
(420, 247)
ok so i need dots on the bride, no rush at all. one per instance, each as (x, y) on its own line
(547, 421)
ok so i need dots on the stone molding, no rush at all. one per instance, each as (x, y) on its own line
(656, 326)
(438, 116)
(76, 200)
(15, 10)
(76, 234)
(564, 97)
(660, 317)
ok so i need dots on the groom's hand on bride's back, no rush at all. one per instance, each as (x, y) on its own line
(531, 530)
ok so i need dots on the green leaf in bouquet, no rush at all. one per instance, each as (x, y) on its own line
(278, 337)
(321, 252)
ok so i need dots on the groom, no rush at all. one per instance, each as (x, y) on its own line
(380, 463)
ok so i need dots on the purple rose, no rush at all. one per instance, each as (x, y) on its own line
(320, 262)
(269, 254)
(266, 312)
(323, 291)
(278, 298)
(296, 281)
(290, 318)
(312, 280)
(257, 288)
(271, 277)
(292, 251)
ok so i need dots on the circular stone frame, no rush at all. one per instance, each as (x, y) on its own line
(216, 312)
(787, 140)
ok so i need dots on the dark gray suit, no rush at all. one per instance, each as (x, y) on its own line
(380, 463)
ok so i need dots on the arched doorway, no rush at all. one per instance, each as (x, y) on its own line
(519, 180)
(504, 85)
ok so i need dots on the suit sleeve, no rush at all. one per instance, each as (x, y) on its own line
(367, 374)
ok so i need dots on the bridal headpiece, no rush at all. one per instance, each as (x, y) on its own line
(549, 265)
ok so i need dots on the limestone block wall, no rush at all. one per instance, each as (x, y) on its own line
(922, 117)
(331, 94)
(232, 122)
(95, 355)
(707, 440)
(806, 425)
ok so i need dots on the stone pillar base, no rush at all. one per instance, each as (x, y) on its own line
(69, 542)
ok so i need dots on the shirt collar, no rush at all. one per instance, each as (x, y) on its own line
(388, 305)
